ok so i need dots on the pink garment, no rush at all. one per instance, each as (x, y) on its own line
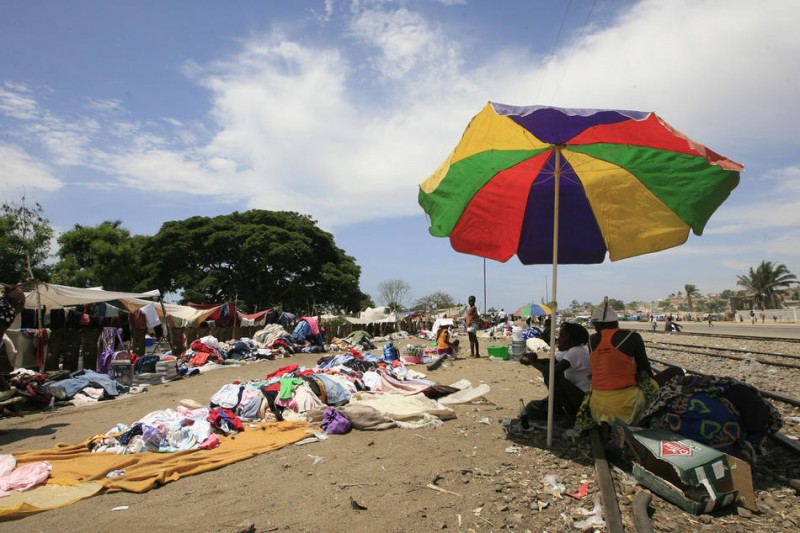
(25, 477)
(210, 443)
(409, 387)
(303, 400)
(312, 323)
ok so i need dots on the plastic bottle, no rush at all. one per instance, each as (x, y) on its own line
(80, 358)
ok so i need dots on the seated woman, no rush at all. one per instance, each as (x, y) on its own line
(622, 380)
(572, 375)
(445, 346)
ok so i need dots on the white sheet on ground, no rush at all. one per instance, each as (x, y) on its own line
(404, 408)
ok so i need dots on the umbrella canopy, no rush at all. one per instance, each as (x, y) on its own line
(533, 310)
(630, 184)
(570, 186)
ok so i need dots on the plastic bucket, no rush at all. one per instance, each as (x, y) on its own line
(517, 349)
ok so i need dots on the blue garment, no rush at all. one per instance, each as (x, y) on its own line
(302, 331)
(334, 392)
(66, 389)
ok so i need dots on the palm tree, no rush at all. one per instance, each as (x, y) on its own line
(691, 290)
(768, 284)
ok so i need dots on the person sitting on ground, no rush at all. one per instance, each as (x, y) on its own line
(572, 375)
(622, 379)
(445, 345)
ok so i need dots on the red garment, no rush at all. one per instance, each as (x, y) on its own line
(225, 420)
(282, 371)
(612, 369)
(198, 346)
(40, 338)
(138, 320)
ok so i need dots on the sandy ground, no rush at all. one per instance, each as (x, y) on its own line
(386, 471)
(467, 475)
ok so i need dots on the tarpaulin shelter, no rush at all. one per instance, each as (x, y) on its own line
(55, 296)
(373, 315)
(223, 314)
(180, 316)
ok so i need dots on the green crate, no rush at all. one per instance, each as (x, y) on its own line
(499, 351)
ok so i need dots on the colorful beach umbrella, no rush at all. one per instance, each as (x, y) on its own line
(570, 186)
(533, 310)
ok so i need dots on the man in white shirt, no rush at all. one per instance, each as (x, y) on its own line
(572, 375)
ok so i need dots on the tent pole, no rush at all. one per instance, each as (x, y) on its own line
(166, 320)
(484, 286)
(554, 308)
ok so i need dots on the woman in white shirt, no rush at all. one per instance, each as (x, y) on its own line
(573, 375)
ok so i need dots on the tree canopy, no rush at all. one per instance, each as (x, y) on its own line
(435, 300)
(260, 258)
(104, 255)
(768, 284)
(25, 237)
(691, 291)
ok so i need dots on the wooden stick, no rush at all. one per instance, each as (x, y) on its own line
(434, 487)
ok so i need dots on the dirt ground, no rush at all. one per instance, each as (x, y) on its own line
(467, 475)
(387, 472)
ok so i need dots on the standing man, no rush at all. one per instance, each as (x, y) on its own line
(473, 321)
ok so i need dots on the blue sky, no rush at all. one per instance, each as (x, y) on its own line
(151, 111)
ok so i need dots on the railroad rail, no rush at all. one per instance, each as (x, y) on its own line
(735, 350)
(724, 336)
(727, 356)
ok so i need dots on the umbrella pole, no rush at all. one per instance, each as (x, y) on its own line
(554, 308)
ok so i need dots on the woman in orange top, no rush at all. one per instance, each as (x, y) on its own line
(622, 380)
(444, 345)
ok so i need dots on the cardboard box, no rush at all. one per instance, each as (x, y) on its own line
(693, 476)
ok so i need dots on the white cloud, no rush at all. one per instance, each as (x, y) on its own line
(106, 106)
(719, 70)
(19, 171)
(319, 129)
(402, 37)
(16, 102)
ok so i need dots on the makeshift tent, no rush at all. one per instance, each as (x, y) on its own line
(376, 315)
(55, 296)
(253, 319)
(180, 316)
(223, 314)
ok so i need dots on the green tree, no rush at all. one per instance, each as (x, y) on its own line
(691, 290)
(716, 306)
(262, 258)
(392, 292)
(768, 284)
(435, 300)
(104, 255)
(616, 305)
(25, 237)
